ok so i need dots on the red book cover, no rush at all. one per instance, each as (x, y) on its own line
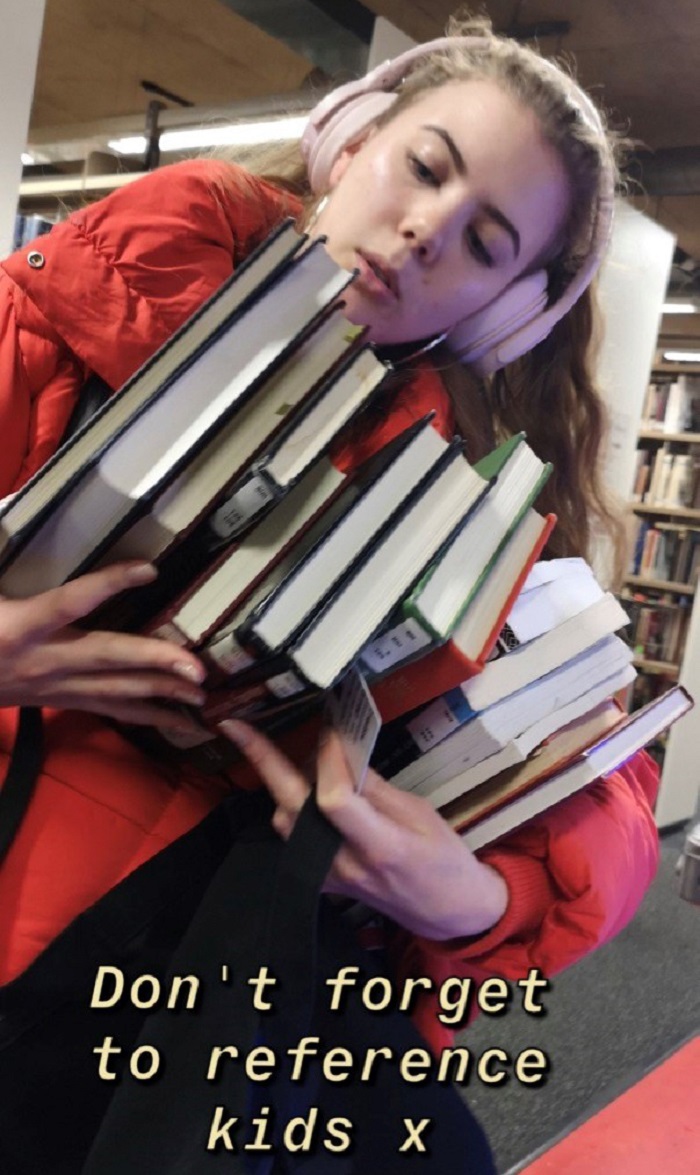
(445, 667)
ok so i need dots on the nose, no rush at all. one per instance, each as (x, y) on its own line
(424, 235)
(427, 229)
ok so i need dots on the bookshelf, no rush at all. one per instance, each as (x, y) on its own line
(71, 187)
(653, 434)
(663, 668)
(670, 511)
(661, 585)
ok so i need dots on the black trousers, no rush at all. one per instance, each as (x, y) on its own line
(219, 904)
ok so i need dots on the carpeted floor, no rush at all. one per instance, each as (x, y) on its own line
(608, 1020)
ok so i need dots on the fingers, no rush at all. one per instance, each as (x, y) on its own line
(286, 784)
(80, 690)
(98, 652)
(43, 614)
(364, 827)
(137, 713)
(362, 824)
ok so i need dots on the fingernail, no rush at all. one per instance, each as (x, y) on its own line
(190, 671)
(236, 731)
(324, 736)
(141, 573)
(191, 697)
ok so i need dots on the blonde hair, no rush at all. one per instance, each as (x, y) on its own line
(550, 392)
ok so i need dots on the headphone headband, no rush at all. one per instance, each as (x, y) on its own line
(520, 317)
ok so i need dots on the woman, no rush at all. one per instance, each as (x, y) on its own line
(475, 206)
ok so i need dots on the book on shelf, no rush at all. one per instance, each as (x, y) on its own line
(577, 756)
(658, 629)
(406, 672)
(671, 482)
(666, 551)
(672, 405)
(413, 749)
(96, 484)
(642, 473)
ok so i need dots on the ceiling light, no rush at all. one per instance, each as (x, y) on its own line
(27, 159)
(241, 134)
(681, 308)
(682, 356)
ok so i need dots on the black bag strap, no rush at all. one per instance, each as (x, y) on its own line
(262, 909)
(22, 774)
(26, 757)
(261, 890)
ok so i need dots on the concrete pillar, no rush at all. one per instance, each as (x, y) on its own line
(22, 22)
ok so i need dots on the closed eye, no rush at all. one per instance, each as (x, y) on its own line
(478, 248)
(422, 172)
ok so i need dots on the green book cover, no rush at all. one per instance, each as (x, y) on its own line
(489, 467)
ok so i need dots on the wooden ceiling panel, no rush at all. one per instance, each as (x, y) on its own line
(420, 20)
(657, 92)
(640, 57)
(94, 53)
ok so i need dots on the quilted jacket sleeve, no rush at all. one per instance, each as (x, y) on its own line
(575, 875)
(113, 282)
(39, 381)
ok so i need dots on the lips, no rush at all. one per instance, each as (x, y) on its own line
(377, 275)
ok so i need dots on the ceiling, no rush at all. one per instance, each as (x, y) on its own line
(639, 57)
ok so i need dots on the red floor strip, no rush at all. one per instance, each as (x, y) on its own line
(651, 1129)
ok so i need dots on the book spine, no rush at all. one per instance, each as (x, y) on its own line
(398, 644)
(235, 514)
(405, 741)
(419, 682)
(228, 655)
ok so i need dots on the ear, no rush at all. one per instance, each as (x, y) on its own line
(340, 166)
(344, 159)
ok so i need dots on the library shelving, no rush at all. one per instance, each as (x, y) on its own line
(660, 588)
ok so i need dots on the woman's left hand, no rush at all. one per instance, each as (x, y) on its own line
(398, 855)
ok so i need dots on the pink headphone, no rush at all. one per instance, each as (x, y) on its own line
(519, 317)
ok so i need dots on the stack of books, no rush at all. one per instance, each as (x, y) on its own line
(526, 731)
(667, 479)
(282, 571)
(672, 405)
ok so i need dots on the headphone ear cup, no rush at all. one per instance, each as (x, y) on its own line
(491, 337)
(339, 126)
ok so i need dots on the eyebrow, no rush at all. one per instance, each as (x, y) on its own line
(461, 168)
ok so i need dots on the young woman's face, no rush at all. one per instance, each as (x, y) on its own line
(442, 208)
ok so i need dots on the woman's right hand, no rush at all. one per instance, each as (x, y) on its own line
(46, 661)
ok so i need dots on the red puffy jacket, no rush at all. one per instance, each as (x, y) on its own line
(111, 284)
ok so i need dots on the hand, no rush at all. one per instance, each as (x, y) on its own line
(399, 856)
(45, 661)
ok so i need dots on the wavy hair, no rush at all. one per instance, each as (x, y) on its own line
(550, 392)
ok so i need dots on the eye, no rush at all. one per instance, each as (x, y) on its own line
(422, 171)
(478, 248)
